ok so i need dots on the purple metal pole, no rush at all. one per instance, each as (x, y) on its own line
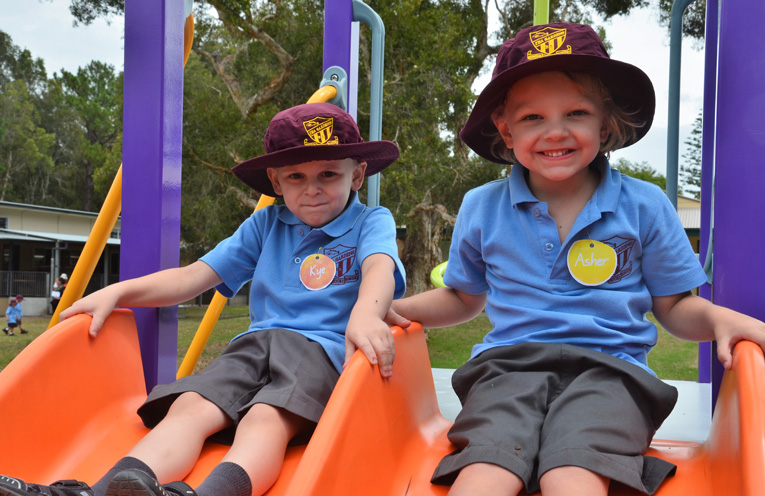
(707, 166)
(739, 272)
(338, 16)
(151, 200)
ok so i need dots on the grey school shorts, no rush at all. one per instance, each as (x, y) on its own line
(533, 407)
(278, 367)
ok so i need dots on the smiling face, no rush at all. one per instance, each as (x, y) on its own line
(317, 192)
(554, 124)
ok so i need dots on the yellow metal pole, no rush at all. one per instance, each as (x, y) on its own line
(106, 220)
(94, 246)
(212, 314)
(188, 38)
(323, 94)
(215, 307)
(541, 12)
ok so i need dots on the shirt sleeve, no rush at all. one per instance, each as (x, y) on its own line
(234, 259)
(466, 270)
(378, 235)
(669, 264)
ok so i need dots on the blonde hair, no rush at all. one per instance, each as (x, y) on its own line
(621, 125)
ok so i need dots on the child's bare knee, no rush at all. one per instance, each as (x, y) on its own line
(262, 415)
(194, 404)
(571, 481)
(486, 479)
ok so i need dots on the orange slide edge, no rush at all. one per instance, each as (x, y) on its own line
(72, 401)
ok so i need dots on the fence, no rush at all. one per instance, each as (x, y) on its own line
(27, 283)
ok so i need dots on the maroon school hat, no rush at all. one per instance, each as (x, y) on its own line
(558, 46)
(308, 132)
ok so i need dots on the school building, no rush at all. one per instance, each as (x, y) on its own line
(40, 243)
(689, 210)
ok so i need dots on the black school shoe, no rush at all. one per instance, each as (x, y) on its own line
(10, 486)
(139, 483)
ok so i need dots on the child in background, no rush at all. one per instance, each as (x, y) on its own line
(11, 317)
(329, 271)
(19, 313)
(568, 256)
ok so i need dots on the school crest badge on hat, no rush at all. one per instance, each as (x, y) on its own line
(319, 131)
(547, 41)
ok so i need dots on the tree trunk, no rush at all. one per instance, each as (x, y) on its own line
(7, 177)
(422, 250)
(87, 186)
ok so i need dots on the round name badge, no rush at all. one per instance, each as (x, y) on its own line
(317, 271)
(590, 262)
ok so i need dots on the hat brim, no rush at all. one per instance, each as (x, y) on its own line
(630, 88)
(377, 154)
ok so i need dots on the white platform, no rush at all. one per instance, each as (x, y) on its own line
(689, 421)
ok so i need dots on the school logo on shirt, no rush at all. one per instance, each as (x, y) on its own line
(623, 248)
(548, 41)
(345, 259)
(319, 131)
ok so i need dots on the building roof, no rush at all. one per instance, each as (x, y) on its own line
(28, 206)
(47, 237)
(690, 217)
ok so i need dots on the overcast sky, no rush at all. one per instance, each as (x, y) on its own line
(45, 29)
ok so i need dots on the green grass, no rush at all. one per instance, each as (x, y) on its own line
(671, 358)
(448, 347)
(10, 346)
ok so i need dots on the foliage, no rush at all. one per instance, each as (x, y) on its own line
(88, 107)
(693, 19)
(58, 133)
(25, 163)
(519, 14)
(254, 57)
(690, 169)
(640, 171)
(228, 102)
(87, 11)
(16, 64)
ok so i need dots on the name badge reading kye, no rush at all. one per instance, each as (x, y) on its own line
(590, 262)
(317, 271)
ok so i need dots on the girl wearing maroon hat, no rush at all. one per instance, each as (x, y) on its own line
(567, 256)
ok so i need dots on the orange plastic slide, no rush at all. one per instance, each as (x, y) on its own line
(69, 403)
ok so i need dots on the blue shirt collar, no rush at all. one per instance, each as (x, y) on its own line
(606, 195)
(342, 223)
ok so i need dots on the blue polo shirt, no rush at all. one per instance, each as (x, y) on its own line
(278, 299)
(506, 244)
(12, 314)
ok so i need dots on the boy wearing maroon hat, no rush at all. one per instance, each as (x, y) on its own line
(567, 256)
(329, 271)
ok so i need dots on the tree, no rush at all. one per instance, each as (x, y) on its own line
(690, 169)
(641, 171)
(693, 20)
(16, 64)
(263, 56)
(25, 164)
(84, 111)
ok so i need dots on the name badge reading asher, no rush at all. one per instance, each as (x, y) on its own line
(317, 271)
(591, 263)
